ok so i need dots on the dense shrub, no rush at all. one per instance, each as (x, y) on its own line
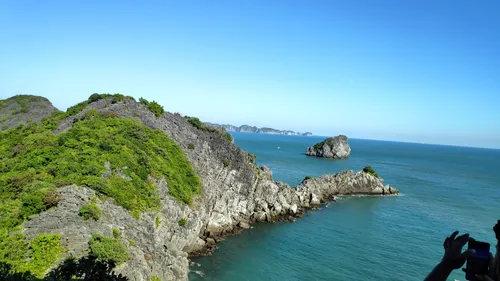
(182, 222)
(117, 98)
(90, 211)
(194, 121)
(51, 198)
(228, 136)
(108, 249)
(35, 256)
(44, 250)
(78, 156)
(144, 101)
(153, 106)
(32, 204)
(132, 243)
(371, 171)
(191, 146)
(156, 108)
(307, 178)
(94, 97)
(155, 278)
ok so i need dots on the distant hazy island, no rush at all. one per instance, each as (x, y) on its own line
(253, 129)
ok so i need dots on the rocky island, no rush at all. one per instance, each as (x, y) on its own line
(336, 147)
(122, 182)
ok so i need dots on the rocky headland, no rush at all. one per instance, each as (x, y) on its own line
(336, 148)
(168, 220)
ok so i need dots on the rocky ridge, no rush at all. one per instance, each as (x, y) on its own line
(236, 192)
(336, 147)
(24, 109)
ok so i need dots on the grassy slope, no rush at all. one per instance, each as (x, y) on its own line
(34, 160)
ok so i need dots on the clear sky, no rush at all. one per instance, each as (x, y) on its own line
(422, 71)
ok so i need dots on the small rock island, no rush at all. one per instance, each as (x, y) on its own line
(336, 148)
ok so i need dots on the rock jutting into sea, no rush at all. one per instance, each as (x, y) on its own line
(336, 147)
(235, 192)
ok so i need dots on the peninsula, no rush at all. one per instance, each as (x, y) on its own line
(124, 186)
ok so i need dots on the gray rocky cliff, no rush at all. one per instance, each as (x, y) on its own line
(23, 110)
(236, 193)
(336, 147)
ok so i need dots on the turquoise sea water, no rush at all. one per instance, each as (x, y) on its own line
(442, 188)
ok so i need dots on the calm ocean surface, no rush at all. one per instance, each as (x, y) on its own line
(443, 189)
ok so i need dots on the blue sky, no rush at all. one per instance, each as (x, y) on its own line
(421, 71)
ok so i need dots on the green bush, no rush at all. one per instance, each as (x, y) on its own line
(132, 243)
(44, 250)
(157, 221)
(94, 97)
(191, 146)
(182, 222)
(118, 98)
(156, 108)
(228, 136)
(155, 278)
(371, 171)
(116, 233)
(194, 121)
(90, 211)
(307, 178)
(144, 101)
(51, 198)
(107, 249)
(32, 204)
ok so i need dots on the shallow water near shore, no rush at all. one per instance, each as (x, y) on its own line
(443, 188)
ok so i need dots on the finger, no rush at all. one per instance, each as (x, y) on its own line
(462, 240)
(467, 254)
(453, 235)
(446, 242)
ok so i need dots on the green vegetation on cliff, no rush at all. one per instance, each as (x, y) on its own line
(34, 157)
(119, 158)
(371, 171)
(153, 106)
(108, 249)
(196, 122)
(36, 256)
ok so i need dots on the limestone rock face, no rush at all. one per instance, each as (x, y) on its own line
(336, 147)
(23, 110)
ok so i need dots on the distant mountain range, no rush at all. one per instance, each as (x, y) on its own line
(253, 129)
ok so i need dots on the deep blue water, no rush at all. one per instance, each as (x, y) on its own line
(443, 188)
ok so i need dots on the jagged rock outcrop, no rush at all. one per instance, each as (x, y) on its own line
(236, 192)
(24, 109)
(336, 147)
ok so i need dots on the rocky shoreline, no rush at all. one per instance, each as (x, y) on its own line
(312, 193)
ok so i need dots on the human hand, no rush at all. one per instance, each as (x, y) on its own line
(453, 257)
(491, 273)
